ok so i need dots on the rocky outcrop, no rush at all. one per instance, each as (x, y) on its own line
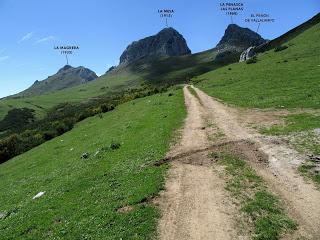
(111, 69)
(65, 68)
(247, 54)
(252, 51)
(237, 40)
(167, 42)
(66, 77)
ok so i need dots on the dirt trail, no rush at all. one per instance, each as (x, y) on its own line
(195, 204)
(301, 198)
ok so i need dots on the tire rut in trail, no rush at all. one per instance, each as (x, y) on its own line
(186, 157)
(195, 204)
(302, 199)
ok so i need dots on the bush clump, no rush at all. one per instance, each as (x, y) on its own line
(17, 144)
(252, 60)
(106, 107)
(115, 145)
(17, 118)
(280, 48)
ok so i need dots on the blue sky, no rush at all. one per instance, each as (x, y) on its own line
(103, 28)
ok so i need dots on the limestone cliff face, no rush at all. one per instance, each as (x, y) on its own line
(167, 42)
(241, 38)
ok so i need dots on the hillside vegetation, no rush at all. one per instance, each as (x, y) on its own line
(288, 78)
(98, 178)
(166, 71)
(106, 84)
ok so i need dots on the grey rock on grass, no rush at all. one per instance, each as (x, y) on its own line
(3, 215)
(85, 155)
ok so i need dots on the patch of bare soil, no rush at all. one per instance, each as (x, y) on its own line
(125, 209)
(301, 198)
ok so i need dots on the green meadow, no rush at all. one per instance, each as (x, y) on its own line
(104, 196)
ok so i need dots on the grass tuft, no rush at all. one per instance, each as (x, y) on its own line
(311, 171)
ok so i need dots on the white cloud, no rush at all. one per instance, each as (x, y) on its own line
(26, 37)
(45, 39)
(4, 58)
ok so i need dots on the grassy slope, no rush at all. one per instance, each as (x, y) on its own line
(294, 123)
(290, 34)
(82, 196)
(289, 78)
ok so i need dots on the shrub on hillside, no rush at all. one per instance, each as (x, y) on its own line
(48, 135)
(252, 60)
(63, 126)
(10, 147)
(85, 114)
(106, 107)
(96, 110)
(114, 145)
(31, 138)
(17, 118)
(280, 48)
(16, 144)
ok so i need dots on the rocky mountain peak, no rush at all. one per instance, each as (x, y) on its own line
(236, 36)
(168, 42)
(66, 67)
(169, 31)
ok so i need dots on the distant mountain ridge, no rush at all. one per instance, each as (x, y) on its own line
(66, 77)
(168, 42)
